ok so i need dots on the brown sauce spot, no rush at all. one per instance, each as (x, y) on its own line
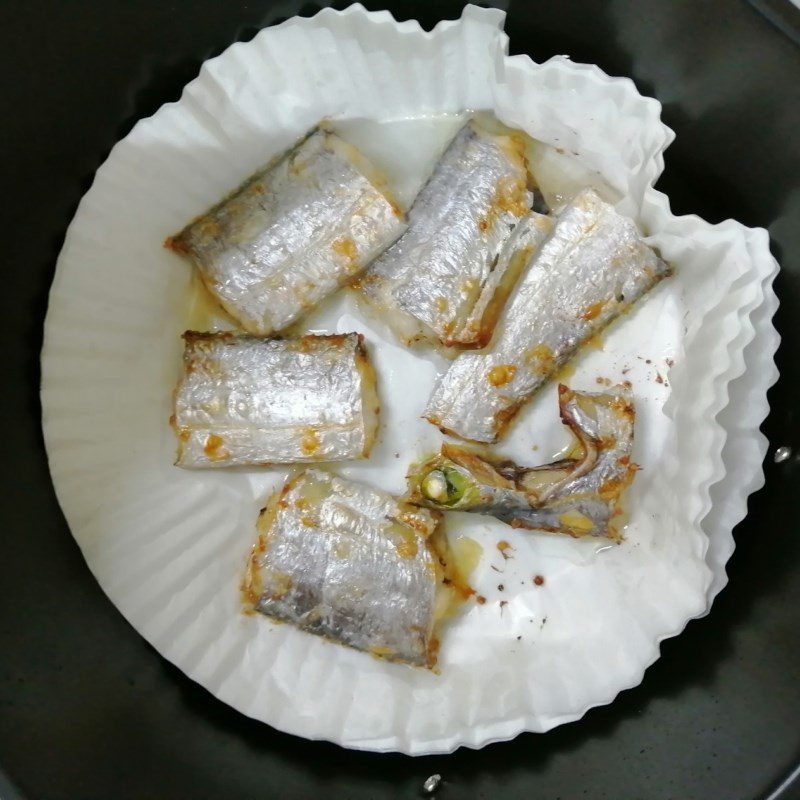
(407, 548)
(540, 358)
(433, 651)
(214, 448)
(538, 580)
(183, 432)
(510, 196)
(593, 311)
(480, 599)
(594, 342)
(463, 590)
(501, 374)
(310, 443)
(503, 546)
(622, 406)
(363, 281)
(346, 248)
(412, 520)
(611, 489)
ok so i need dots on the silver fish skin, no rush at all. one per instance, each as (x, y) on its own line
(440, 282)
(246, 400)
(577, 496)
(592, 267)
(348, 562)
(294, 233)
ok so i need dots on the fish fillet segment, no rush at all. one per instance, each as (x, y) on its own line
(292, 234)
(442, 281)
(247, 400)
(350, 563)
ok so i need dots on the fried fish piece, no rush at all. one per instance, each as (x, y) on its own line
(248, 400)
(295, 232)
(592, 267)
(443, 281)
(351, 563)
(578, 496)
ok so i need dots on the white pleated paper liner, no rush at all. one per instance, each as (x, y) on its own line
(168, 546)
